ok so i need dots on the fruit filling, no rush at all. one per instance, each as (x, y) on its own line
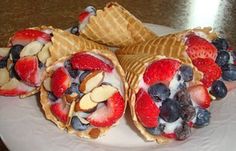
(23, 62)
(83, 17)
(167, 105)
(85, 91)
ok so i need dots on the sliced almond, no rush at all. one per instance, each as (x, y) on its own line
(82, 120)
(86, 103)
(47, 84)
(4, 76)
(71, 110)
(102, 93)
(91, 81)
(31, 49)
(44, 54)
(69, 98)
(4, 52)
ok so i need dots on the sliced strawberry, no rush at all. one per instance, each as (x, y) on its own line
(200, 48)
(83, 15)
(28, 70)
(83, 61)
(60, 110)
(210, 70)
(25, 36)
(161, 71)
(200, 95)
(60, 81)
(146, 110)
(169, 135)
(109, 113)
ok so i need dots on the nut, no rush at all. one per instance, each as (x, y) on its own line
(91, 81)
(94, 133)
(4, 52)
(31, 49)
(82, 120)
(69, 98)
(102, 93)
(44, 54)
(4, 76)
(47, 84)
(86, 104)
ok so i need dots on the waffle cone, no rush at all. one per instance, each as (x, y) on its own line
(115, 26)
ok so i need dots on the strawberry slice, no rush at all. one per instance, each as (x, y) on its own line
(60, 110)
(60, 81)
(28, 71)
(109, 113)
(83, 61)
(199, 94)
(161, 71)
(210, 70)
(169, 135)
(83, 16)
(146, 110)
(200, 48)
(25, 36)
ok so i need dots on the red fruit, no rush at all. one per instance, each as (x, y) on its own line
(210, 70)
(161, 71)
(169, 135)
(200, 48)
(25, 36)
(109, 113)
(199, 94)
(28, 71)
(83, 61)
(60, 110)
(82, 16)
(146, 110)
(60, 81)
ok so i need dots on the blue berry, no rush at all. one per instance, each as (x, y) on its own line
(218, 89)
(15, 52)
(187, 112)
(156, 130)
(77, 125)
(40, 64)
(183, 132)
(83, 75)
(222, 58)
(220, 44)
(74, 30)
(229, 72)
(74, 88)
(183, 98)
(3, 62)
(52, 97)
(186, 73)
(202, 118)
(73, 73)
(13, 73)
(159, 92)
(170, 110)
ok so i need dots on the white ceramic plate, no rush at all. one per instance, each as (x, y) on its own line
(23, 127)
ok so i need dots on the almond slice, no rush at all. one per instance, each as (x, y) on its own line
(86, 103)
(69, 98)
(71, 110)
(91, 81)
(4, 76)
(82, 120)
(44, 54)
(31, 49)
(47, 84)
(102, 93)
(4, 52)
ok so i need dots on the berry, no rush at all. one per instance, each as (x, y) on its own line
(183, 98)
(186, 73)
(146, 110)
(187, 112)
(200, 48)
(202, 118)
(218, 89)
(156, 130)
(222, 58)
(220, 44)
(52, 97)
(15, 52)
(210, 70)
(74, 88)
(170, 110)
(183, 132)
(13, 74)
(3, 62)
(60, 110)
(83, 16)
(83, 75)
(77, 125)
(108, 114)
(229, 72)
(159, 92)
(73, 73)
(154, 72)
(74, 30)
(83, 61)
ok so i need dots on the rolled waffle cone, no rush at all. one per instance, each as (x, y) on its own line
(115, 26)
(68, 45)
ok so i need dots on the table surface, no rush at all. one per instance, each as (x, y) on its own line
(180, 14)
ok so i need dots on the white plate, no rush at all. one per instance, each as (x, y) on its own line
(23, 127)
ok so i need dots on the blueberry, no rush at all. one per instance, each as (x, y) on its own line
(220, 44)
(156, 130)
(73, 88)
(183, 132)
(218, 89)
(52, 97)
(40, 64)
(202, 118)
(159, 92)
(186, 72)
(73, 72)
(83, 75)
(233, 54)
(170, 110)
(229, 72)
(183, 98)
(187, 112)
(77, 125)
(15, 52)
(3, 62)
(13, 73)
(181, 86)
(222, 58)
(74, 29)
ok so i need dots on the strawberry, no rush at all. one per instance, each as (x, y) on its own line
(169, 135)
(200, 95)
(210, 70)
(83, 61)
(60, 110)
(200, 48)
(25, 36)
(28, 71)
(109, 113)
(161, 71)
(60, 81)
(146, 110)
(83, 15)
